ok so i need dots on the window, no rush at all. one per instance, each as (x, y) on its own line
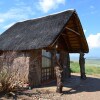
(46, 59)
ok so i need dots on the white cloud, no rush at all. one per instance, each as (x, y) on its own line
(9, 25)
(1, 20)
(94, 40)
(46, 5)
(84, 31)
(93, 10)
(16, 13)
(20, 3)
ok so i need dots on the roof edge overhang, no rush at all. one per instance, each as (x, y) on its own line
(60, 33)
(52, 44)
(84, 37)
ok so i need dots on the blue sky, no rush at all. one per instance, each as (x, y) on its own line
(12, 11)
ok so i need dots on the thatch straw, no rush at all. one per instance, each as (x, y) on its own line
(37, 33)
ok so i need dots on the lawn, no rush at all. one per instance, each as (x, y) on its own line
(91, 70)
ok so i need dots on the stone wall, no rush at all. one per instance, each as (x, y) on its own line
(24, 66)
(16, 64)
(21, 63)
(35, 67)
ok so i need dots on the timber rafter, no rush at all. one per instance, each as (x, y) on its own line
(77, 28)
(66, 38)
(73, 31)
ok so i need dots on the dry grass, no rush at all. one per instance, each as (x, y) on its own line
(9, 80)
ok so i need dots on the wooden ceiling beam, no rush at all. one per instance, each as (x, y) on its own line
(72, 31)
(66, 38)
(65, 43)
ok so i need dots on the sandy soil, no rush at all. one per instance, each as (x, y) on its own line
(74, 89)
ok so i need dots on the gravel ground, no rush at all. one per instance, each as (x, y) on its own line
(74, 89)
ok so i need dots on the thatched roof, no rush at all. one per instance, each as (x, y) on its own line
(40, 33)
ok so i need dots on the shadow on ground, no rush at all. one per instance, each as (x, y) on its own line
(77, 85)
(74, 85)
(91, 84)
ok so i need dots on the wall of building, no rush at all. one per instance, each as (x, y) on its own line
(35, 67)
(15, 64)
(24, 66)
(21, 62)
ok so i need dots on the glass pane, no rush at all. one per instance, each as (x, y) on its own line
(46, 59)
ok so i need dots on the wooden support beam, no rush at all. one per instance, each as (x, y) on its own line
(82, 65)
(66, 38)
(67, 47)
(58, 70)
(73, 31)
(64, 60)
(68, 64)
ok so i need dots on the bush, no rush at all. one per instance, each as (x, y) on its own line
(8, 74)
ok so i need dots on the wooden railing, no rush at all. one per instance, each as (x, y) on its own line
(48, 74)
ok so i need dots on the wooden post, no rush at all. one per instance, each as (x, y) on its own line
(53, 62)
(65, 63)
(58, 70)
(59, 79)
(68, 64)
(82, 65)
(62, 63)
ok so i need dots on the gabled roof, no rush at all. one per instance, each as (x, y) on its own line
(37, 33)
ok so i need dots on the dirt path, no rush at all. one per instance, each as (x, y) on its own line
(74, 89)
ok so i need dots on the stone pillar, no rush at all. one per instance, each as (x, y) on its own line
(82, 65)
